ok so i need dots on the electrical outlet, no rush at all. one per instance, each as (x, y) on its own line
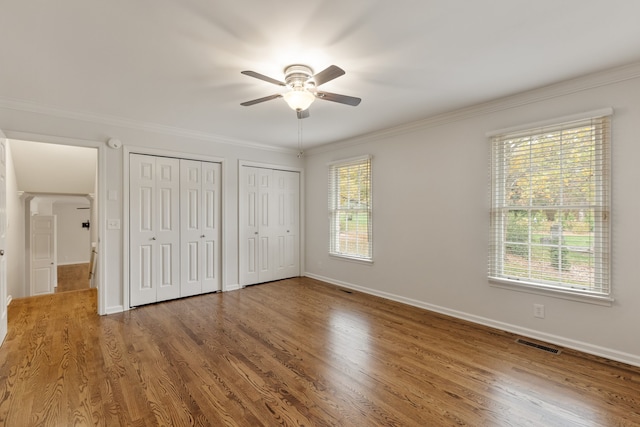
(538, 311)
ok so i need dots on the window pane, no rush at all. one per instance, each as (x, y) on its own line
(353, 236)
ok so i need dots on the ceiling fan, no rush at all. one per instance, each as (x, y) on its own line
(302, 88)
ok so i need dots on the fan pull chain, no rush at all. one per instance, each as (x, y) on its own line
(300, 152)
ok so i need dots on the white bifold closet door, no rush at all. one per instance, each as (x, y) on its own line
(174, 228)
(200, 227)
(154, 229)
(269, 210)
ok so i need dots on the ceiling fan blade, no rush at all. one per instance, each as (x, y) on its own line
(259, 100)
(303, 114)
(263, 77)
(342, 99)
(327, 74)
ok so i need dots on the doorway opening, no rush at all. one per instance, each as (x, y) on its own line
(51, 201)
(58, 242)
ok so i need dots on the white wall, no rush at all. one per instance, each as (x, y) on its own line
(41, 206)
(73, 241)
(15, 233)
(431, 217)
(53, 126)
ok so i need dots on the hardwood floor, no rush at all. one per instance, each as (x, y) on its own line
(294, 352)
(73, 277)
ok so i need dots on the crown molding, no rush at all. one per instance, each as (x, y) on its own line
(566, 87)
(31, 107)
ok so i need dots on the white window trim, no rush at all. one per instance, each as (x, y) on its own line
(550, 291)
(608, 111)
(540, 288)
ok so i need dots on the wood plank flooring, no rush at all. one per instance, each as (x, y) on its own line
(73, 277)
(294, 352)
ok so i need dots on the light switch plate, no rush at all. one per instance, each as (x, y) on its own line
(113, 224)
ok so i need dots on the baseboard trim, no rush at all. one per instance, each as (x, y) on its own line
(234, 287)
(9, 299)
(584, 347)
(114, 309)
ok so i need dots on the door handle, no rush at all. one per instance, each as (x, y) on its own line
(255, 232)
(153, 238)
(1, 252)
(203, 236)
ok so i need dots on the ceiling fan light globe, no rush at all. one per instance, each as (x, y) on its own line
(299, 99)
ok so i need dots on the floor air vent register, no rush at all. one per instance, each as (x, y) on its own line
(538, 346)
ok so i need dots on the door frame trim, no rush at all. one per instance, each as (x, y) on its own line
(130, 149)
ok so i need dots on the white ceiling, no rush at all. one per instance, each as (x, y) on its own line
(51, 168)
(177, 63)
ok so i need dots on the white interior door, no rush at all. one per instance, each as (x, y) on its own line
(142, 271)
(154, 229)
(267, 230)
(200, 227)
(43, 254)
(248, 223)
(269, 225)
(286, 212)
(167, 228)
(191, 227)
(211, 226)
(3, 232)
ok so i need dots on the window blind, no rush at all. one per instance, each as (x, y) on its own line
(550, 207)
(350, 212)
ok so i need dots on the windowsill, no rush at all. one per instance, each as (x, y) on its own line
(550, 291)
(352, 259)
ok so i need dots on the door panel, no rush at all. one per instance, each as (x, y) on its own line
(145, 203)
(287, 229)
(167, 228)
(154, 229)
(291, 211)
(142, 274)
(190, 209)
(42, 281)
(248, 214)
(145, 267)
(200, 183)
(211, 222)
(43, 254)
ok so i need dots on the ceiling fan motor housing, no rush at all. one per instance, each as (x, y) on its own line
(297, 76)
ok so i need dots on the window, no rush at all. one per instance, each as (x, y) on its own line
(550, 207)
(350, 208)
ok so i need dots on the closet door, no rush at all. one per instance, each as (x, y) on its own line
(200, 227)
(154, 229)
(257, 229)
(248, 225)
(211, 226)
(269, 225)
(286, 212)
